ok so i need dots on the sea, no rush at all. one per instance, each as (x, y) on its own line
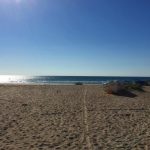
(57, 80)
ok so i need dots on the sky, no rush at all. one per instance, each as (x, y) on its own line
(75, 37)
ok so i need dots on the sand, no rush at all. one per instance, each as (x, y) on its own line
(69, 117)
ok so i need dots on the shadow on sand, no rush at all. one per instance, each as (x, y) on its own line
(126, 93)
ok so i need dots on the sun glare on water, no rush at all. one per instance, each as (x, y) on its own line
(9, 79)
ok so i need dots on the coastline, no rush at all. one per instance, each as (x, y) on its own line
(65, 80)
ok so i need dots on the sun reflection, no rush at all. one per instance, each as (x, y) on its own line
(10, 79)
(4, 79)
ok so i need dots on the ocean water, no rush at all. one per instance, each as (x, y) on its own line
(65, 79)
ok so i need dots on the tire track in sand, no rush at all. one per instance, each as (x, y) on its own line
(85, 119)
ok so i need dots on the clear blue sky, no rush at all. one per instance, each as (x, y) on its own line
(75, 37)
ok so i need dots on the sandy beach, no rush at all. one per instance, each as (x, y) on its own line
(71, 117)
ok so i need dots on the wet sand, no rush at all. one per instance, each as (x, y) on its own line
(61, 117)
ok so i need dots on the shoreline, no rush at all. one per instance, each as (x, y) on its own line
(49, 84)
(67, 80)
